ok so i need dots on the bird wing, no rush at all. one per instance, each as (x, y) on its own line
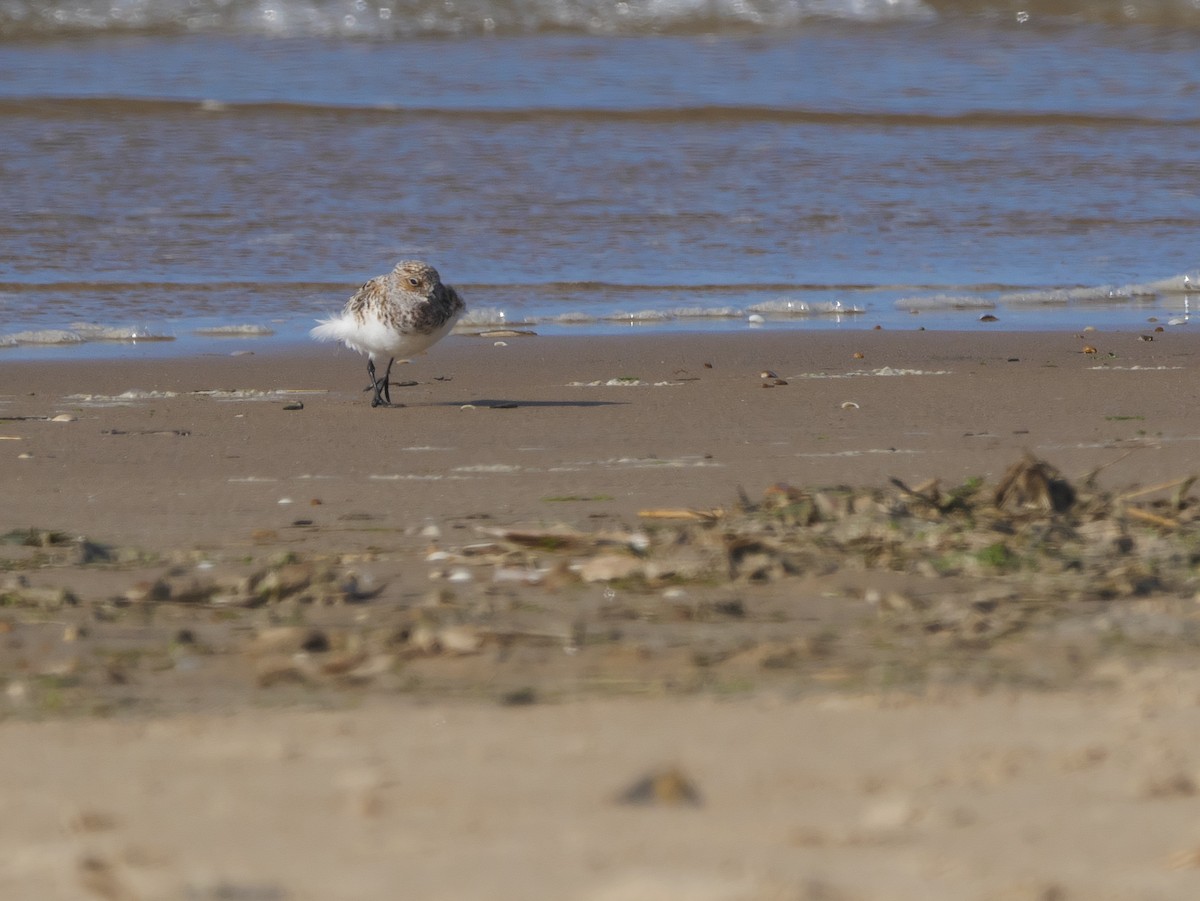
(335, 328)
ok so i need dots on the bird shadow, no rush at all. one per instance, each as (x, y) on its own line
(510, 404)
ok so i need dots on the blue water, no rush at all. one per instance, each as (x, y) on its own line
(167, 168)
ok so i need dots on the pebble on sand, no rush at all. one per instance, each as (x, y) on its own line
(670, 786)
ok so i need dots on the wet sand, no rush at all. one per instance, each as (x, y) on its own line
(503, 430)
(412, 710)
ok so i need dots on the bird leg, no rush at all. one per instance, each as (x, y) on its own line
(387, 391)
(383, 394)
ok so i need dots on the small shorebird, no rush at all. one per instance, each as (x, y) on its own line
(399, 314)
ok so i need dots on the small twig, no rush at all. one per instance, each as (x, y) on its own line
(698, 515)
(1162, 486)
(1182, 493)
(1089, 478)
(1152, 518)
(916, 492)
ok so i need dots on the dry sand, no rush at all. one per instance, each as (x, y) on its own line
(400, 718)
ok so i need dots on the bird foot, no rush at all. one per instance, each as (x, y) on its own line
(382, 399)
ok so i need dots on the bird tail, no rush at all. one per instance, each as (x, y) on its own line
(331, 329)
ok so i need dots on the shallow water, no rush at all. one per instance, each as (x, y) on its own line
(836, 164)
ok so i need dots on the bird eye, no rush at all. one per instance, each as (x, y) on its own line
(414, 281)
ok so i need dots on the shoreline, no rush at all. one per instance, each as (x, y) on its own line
(291, 335)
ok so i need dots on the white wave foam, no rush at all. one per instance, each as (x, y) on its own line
(488, 317)
(1107, 368)
(774, 308)
(787, 307)
(390, 19)
(92, 332)
(640, 316)
(937, 302)
(1186, 283)
(124, 399)
(234, 331)
(706, 313)
(1065, 296)
(81, 333)
(44, 336)
(884, 372)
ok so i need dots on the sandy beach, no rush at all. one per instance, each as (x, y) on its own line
(558, 627)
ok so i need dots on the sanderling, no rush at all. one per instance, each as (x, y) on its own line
(399, 314)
